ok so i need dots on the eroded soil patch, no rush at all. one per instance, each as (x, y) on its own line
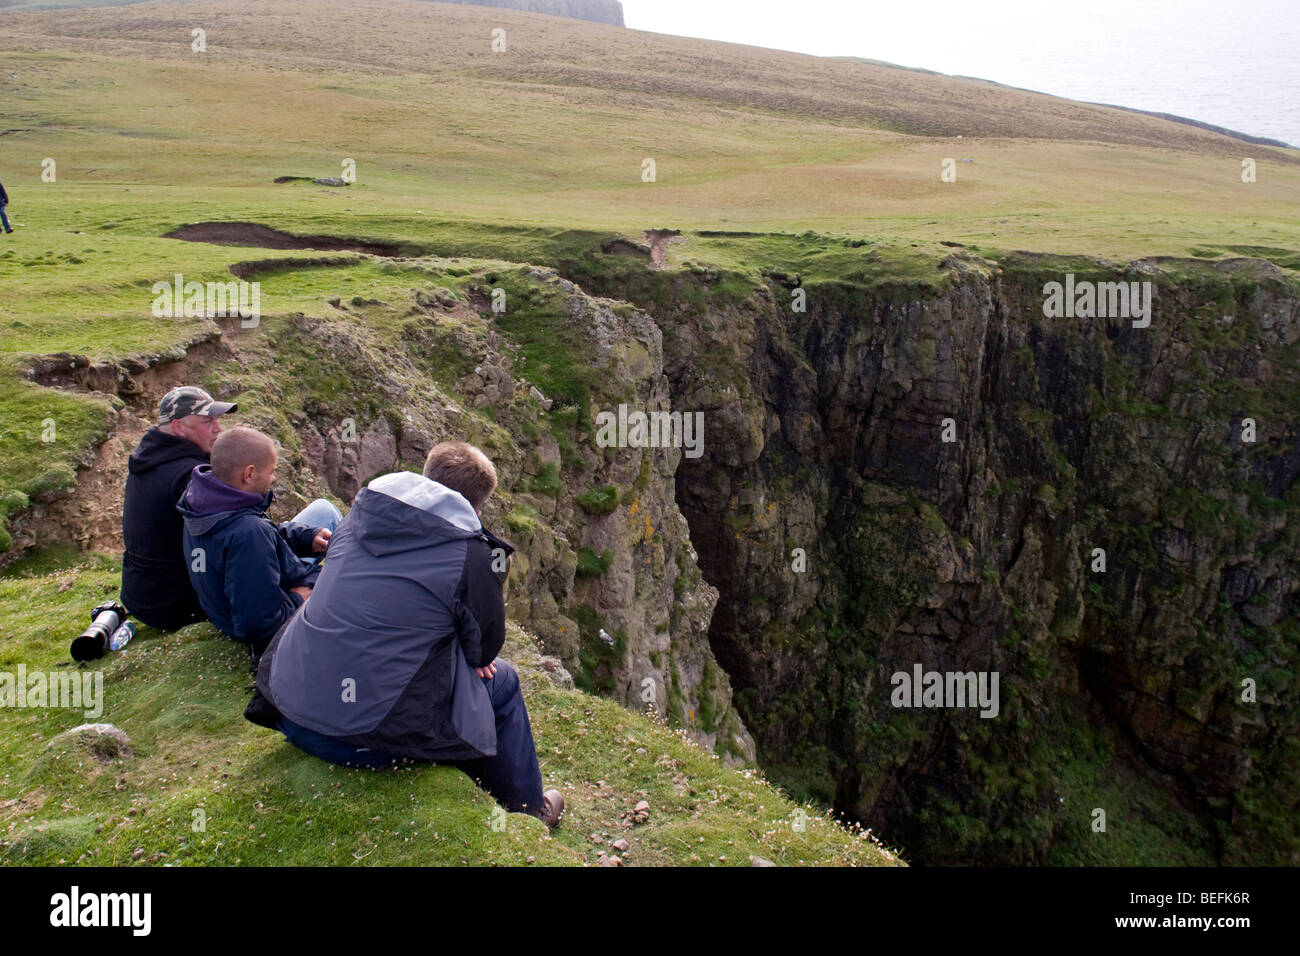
(90, 516)
(140, 382)
(252, 267)
(264, 237)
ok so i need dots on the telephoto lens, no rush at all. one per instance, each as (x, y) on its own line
(93, 642)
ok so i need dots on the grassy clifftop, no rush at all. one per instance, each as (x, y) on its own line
(197, 763)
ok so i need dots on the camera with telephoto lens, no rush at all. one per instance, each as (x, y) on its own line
(104, 621)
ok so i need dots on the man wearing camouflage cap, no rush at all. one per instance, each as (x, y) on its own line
(155, 577)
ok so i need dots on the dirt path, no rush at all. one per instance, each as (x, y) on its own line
(91, 517)
(659, 240)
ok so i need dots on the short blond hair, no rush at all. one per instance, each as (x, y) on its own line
(462, 468)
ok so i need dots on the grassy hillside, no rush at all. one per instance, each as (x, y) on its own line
(555, 129)
(599, 11)
(180, 698)
(30, 5)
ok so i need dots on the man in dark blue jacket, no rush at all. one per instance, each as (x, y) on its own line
(155, 580)
(248, 571)
(395, 655)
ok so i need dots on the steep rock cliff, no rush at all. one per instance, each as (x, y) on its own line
(1121, 690)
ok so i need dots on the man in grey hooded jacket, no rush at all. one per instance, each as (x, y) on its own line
(394, 657)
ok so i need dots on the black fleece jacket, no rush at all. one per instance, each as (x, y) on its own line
(155, 575)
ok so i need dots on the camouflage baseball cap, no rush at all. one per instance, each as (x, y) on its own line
(190, 400)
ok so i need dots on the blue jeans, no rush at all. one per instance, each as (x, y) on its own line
(512, 776)
(319, 514)
(5, 219)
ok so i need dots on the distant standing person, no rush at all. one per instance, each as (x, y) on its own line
(4, 201)
(155, 574)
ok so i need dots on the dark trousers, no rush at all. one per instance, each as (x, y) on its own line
(512, 776)
(183, 611)
(4, 218)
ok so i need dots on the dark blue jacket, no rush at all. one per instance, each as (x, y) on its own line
(155, 580)
(408, 600)
(248, 562)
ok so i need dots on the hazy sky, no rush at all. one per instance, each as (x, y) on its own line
(1234, 62)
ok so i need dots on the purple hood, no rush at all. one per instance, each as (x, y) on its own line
(208, 494)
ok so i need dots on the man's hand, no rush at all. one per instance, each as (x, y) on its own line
(322, 540)
(301, 591)
(489, 672)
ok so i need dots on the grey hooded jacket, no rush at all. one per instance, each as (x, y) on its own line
(406, 603)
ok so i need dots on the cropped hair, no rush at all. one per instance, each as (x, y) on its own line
(238, 447)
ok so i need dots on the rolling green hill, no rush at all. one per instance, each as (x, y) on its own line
(554, 131)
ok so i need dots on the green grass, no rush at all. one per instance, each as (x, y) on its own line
(180, 698)
(599, 501)
(591, 564)
(29, 464)
(522, 519)
(552, 346)
(548, 480)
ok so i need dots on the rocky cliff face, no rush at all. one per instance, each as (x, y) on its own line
(1101, 529)
(605, 575)
(597, 11)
